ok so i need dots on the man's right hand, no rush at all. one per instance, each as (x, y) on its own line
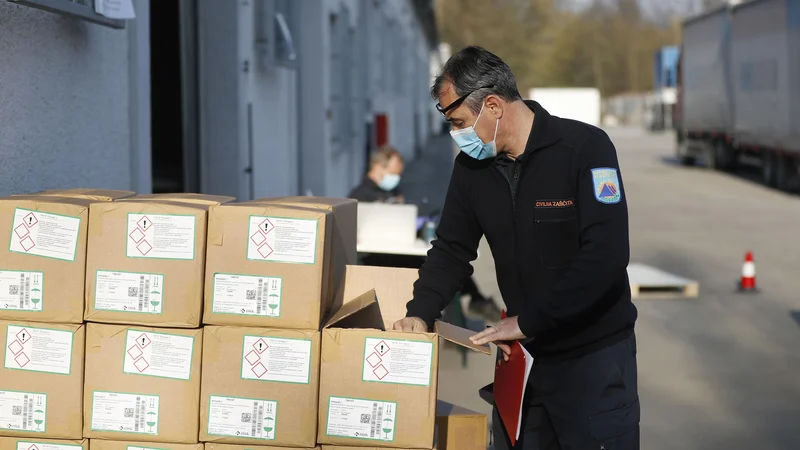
(411, 324)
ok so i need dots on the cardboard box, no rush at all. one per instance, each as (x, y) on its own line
(459, 428)
(268, 375)
(43, 258)
(340, 447)
(142, 383)
(212, 446)
(103, 195)
(145, 263)
(388, 376)
(41, 380)
(7, 443)
(343, 237)
(100, 444)
(262, 257)
(185, 197)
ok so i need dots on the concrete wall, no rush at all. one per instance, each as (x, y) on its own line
(64, 103)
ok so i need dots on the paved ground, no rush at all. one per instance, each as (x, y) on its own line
(719, 371)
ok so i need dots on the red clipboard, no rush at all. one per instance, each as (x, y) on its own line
(510, 379)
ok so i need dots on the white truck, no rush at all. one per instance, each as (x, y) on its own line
(581, 104)
(739, 89)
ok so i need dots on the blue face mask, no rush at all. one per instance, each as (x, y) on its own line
(389, 181)
(469, 142)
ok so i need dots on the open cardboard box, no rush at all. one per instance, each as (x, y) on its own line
(379, 387)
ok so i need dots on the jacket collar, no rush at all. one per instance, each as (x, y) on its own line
(544, 132)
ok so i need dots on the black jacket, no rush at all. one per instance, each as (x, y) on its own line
(557, 230)
(370, 192)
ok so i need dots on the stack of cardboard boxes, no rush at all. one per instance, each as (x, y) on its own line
(202, 327)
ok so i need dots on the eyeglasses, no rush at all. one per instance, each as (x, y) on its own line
(459, 100)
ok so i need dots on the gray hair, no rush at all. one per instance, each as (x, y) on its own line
(473, 68)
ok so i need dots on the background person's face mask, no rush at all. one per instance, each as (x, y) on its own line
(469, 142)
(389, 181)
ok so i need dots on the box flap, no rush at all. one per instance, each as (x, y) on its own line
(394, 287)
(360, 312)
(459, 336)
(444, 408)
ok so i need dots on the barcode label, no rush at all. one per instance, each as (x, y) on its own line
(21, 291)
(242, 417)
(246, 295)
(23, 411)
(363, 419)
(129, 292)
(130, 413)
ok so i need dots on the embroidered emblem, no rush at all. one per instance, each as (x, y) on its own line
(565, 203)
(606, 185)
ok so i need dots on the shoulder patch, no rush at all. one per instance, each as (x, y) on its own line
(606, 185)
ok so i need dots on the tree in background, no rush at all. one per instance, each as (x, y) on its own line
(608, 44)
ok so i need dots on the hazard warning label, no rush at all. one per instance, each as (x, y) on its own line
(129, 292)
(246, 295)
(38, 349)
(45, 234)
(398, 361)
(163, 236)
(23, 411)
(123, 412)
(363, 419)
(158, 354)
(278, 239)
(21, 445)
(21, 291)
(242, 417)
(276, 359)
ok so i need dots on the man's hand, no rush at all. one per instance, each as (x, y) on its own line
(411, 324)
(502, 334)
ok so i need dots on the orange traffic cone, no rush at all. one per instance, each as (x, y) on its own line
(748, 283)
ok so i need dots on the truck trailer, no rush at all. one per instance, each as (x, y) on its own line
(739, 89)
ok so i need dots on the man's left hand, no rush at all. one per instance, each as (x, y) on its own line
(506, 331)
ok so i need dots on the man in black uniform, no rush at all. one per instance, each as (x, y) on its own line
(548, 195)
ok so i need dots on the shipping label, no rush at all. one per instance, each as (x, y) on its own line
(129, 292)
(123, 412)
(45, 234)
(247, 295)
(363, 419)
(161, 236)
(23, 411)
(398, 361)
(21, 291)
(283, 240)
(23, 445)
(242, 417)
(276, 359)
(38, 349)
(158, 354)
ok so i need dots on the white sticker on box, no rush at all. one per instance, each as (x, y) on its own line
(129, 413)
(38, 349)
(363, 419)
(242, 417)
(276, 359)
(23, 411)
(158, 354)
(162, 236)
(23, 445)
(246, 295)
(398, 361)
(45, 234)
(129, 292)
(279, 239)
(21, 291)
(134, 447)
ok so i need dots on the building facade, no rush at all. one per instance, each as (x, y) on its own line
(243, 98)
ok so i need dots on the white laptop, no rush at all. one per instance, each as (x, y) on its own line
(382, 223)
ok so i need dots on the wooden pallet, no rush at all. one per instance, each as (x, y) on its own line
(648, 281)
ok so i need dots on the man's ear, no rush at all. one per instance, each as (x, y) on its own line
(495, 106)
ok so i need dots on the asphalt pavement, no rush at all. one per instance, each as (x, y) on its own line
(721, 371)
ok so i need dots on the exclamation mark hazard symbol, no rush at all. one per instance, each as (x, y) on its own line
(143, 341)
(30, 220)
(260, 346)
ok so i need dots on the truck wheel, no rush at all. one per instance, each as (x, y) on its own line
(723, 156)
(783, 171)
(688, 161)
(769, 169)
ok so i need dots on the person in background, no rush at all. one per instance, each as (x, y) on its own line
(380, 185)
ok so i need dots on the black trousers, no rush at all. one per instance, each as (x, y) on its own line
(587, 403)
